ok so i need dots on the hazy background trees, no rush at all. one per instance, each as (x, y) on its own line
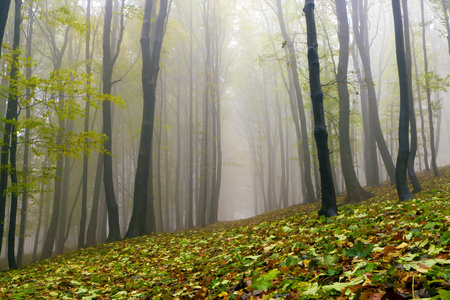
(233, 124)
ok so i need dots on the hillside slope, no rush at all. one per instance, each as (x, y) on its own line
(379, 249)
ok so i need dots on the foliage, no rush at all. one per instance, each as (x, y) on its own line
(379, 248)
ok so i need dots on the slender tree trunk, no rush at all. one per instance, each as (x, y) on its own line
(178, 219)
(13, 149)
(362, 40)
(412, 116)
(419, 101)
(150, 70)
(447, 25)
(109, 60)
(85, 176)
(403, 132)
(26, 156)
(202, 203)
(38, 227)
(190, 198)
(355, 192)
(303, 140)
(329, 207)
(63, 224)
(4, 4)
(91, 234)
(427, 85)
(370, 157)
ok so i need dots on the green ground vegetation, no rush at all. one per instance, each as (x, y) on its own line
(379, 249)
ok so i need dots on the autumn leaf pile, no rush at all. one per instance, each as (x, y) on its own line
(379, 249)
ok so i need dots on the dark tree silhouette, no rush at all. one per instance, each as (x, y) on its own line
(355, 192)
(109, 60)
(150, 70)
(298, 111)
(329, 207)
(412, 116)
(4, 4)
(427, 84)
(361, 32)
(403, 132)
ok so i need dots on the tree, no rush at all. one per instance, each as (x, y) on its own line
(355, 192)
(361, 31)
(83, 217)
(412, 116)
(297, 109)
(26, 156)
(329, 207)
(4, 4)
(427, 85)
(150, 70)
(109, 59)
(403, 131)
(12, 134)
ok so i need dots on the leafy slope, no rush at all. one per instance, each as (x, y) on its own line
(378, 250)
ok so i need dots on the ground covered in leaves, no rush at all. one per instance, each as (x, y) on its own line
(379, 249)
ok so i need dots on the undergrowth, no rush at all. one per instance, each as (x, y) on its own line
(378, 249)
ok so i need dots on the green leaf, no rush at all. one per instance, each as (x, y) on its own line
(359, 250)
(262, 284)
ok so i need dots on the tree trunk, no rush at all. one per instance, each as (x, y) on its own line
(91, 234)
(370, 157)
(355, 192)
(427, 85)
(447, 25)
(4, 4)
(403, 131)
(38, 227)
(303, 140)
(419, 101)
(412, 116)
(201, 211)
(12, 100)
(26, 156)
(85, 176)
(190, 198)
(109, 60)
(150, 69)
(361, 35)
(329, 207)
(178, 219)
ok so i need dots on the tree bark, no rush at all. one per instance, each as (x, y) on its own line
(85, 176)
(447, 25)
(302, 137)
(329, 207)
(109, 60)
(361, 32)
(355, 192)
(26, 156)
(91, 234)
(419, 102)
(202, 201)
(4, 4)
(412, 116)
(150, 69)
(403, 132)
(427, 85)
(13, 96)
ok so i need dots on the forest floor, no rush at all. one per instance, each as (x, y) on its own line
(377, 249)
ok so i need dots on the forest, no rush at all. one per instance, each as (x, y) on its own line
(212, 110)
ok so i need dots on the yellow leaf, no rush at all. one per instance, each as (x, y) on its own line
(402, 245)
(223, 294)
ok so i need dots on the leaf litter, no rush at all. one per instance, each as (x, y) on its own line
(378, 249)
